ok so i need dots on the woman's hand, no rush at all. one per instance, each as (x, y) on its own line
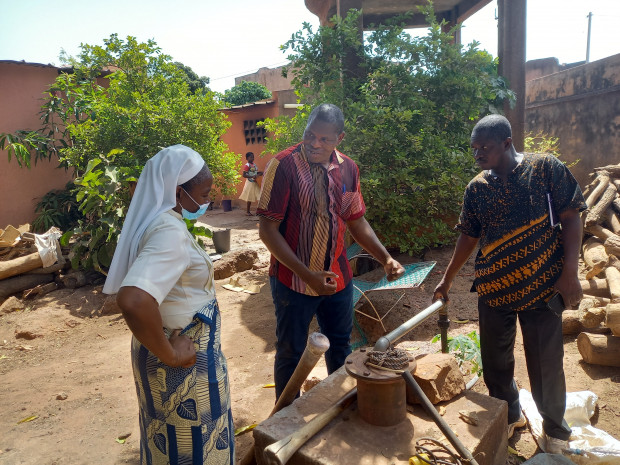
(184, 350)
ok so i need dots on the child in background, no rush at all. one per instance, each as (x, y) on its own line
(251, 190)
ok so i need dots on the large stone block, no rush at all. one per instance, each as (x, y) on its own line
(439, 377)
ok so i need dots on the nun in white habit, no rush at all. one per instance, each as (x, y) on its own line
(164, 281)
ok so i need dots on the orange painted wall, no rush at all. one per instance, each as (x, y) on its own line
(21, 89)
(235, 136)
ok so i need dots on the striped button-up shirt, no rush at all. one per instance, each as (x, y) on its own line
(312, 204)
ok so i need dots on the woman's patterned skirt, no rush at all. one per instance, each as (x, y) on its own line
(185, 414)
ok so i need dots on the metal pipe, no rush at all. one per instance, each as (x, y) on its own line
(386, 341)
(443, 426)
(444, 324)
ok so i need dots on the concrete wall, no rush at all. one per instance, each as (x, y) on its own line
(271, 78)
(581, 107)
(21, 90)
(236, 135)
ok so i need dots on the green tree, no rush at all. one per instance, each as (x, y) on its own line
(408, 118)
(195, 83)
(108, 130)
(246, 92)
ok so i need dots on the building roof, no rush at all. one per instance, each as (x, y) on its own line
(245, 105)
(26, 63)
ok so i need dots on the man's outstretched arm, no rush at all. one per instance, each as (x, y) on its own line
(365, 236)
(465, 245)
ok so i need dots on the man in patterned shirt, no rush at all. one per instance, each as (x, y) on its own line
(310, 195)
(510, 210)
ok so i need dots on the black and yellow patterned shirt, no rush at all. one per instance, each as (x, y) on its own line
(521, 254)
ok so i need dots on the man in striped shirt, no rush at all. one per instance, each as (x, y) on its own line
(310, 196)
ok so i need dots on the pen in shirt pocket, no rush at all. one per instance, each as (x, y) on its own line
(344, 188)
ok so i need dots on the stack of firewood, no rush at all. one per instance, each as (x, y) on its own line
(22, 271)
(599, 311)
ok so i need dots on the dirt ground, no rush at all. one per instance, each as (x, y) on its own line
(67, 393)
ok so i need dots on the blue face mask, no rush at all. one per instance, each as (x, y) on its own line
(198, 213)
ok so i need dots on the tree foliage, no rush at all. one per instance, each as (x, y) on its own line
(409, 116)
(246, 92)
(196, 83)
(121, 104)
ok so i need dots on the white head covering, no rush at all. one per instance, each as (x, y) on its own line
(155, 194)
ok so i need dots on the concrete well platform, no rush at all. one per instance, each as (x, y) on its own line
(350, 440)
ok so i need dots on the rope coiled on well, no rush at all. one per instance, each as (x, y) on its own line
(391, 359)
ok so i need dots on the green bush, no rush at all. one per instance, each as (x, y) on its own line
(106, 133)
(57, 208)
(409, 116)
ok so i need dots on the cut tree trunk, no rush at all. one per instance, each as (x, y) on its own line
(599, 349)
(612, 220)
(599, 231)
(595, 287)
(20, 265)
(590, 301)
(613, 318)
(21, 283)
(597, 211)
(572, 324)
(613, 282)
(593, 317)
(594, 256)
(612, 245)
(603, 182)
(613, 170)
(40, 290)
(613, 261)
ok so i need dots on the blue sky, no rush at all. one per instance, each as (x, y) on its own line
(224, 39)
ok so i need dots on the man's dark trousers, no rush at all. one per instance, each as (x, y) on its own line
(294, 312)
(544, 352)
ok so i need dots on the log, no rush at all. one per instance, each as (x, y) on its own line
(612, 170)
(613, 283)
(616, 205)
(593, 317)
(612, 220)
(595, 287)
(20, 265)
(51, 269)
(40, 290)
(597, 211)
(571, 324)
(612, 245)
(590, 301)
(21, 283)
(599, 349)
(599, 231)
(603, 182)
(614, 261)
(594, 256)
(612, 319)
